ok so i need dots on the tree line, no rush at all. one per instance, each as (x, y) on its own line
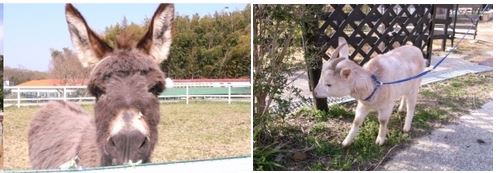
(210, 46)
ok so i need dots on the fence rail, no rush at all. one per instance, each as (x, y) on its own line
(36, 95)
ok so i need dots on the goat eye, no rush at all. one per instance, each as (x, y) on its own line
(328, 85)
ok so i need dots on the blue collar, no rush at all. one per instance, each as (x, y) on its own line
(377, 85)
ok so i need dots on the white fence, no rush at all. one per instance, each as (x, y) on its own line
(36, 95)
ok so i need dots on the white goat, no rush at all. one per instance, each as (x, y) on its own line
(341, 77)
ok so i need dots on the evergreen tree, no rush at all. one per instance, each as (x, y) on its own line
(210, 46)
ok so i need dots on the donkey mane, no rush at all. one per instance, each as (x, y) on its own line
(125, 41)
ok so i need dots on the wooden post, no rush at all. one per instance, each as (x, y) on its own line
(187, 94)
(311, 55)
(18, 97)
(64, 93)
(430, 40)
(454, 24)
(229, 95)
(476, 21)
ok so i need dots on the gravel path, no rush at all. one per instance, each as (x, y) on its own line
(464, 145)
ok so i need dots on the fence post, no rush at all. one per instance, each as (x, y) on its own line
(64, 93)
(187, 94)
(229, 95)
(18, 97)
(314, 62)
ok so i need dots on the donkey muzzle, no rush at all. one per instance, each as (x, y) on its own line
(129, 139)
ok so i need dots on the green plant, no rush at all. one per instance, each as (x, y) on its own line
(318, 166)
(334, 111)
(340, 111)
(263, 158)
(318, 128)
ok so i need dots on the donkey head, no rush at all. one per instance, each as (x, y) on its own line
(126, 81)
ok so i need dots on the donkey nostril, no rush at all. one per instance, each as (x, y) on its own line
(143, 142)
(112, 142)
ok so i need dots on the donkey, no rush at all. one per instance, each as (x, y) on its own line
(126, 81)
(341, 77)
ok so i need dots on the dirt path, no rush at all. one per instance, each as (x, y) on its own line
(465, 145)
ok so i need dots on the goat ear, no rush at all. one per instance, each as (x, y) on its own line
(343, 50)
(89, 47)
(156, 42)
(345, 73)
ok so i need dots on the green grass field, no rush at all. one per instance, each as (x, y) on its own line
(200, 130)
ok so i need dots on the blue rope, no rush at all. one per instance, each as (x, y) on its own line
(379, 83)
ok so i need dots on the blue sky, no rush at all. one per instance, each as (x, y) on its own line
(1, 28)
(31, 30)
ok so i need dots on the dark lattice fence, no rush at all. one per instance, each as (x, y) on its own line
(375, 29)
(369, 30)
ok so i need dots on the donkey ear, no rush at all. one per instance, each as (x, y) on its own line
(90, 48)
(344, 50)
(158, 38)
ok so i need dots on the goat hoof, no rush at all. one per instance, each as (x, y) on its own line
(380, 141)
(346, 143)
(406, 129)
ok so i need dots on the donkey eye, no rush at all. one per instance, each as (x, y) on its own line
(96, 91)
(328, 85)
(157, 88)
